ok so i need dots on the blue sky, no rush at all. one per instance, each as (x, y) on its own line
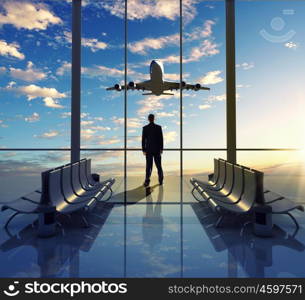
(35, 62)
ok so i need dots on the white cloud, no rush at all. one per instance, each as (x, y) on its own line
(33, 118)
(100, 128)
(53, 103)
(64, 68)
(150, 104)
(10, 50)
(205, 49)
(211, 78)
(220, 98)
(175, 77)
(87, 134)
(291, 45)
(141, 9)
(48, 135)
(131, 122)
(200, 32)
(94, 71)
(142, 46)
(2, 70)
(93, 43)
(66, 114)
(86, 122)
(28, 15)
(204, 106)
(33, 91)
(245, 66)
(30, 74)
(110, 141)
(170, 136)
(164, 114)
(217, 98)
(2, 124)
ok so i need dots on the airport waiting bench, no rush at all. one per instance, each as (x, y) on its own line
(64, 190)
(236, 189)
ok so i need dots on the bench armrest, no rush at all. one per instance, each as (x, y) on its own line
(210, 176)
(96, 177)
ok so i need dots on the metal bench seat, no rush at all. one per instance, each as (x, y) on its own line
(246, 201)
(233, 188)
(221, 176)
(227, 189)
(247, 194)
(58, 193)
(76, 183)
(214, 177)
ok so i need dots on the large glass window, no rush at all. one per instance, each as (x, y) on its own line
(35, 59)
(102, 118)
(204, 63)
(270, 72)
(153, 36)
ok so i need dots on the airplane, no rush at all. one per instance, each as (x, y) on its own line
(156, 85)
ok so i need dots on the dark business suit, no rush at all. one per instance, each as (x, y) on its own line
(152, 144)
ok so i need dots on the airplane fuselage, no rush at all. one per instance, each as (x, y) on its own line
(157, 85)
(156, 77)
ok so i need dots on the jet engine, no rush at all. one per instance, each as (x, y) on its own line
(131, 85)
(197, 86)
(117, 87)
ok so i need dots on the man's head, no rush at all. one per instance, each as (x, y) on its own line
(151, 118)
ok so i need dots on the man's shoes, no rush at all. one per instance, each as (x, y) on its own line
(146, 183)
(161, 181)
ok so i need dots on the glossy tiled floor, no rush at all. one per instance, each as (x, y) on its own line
(153, 235)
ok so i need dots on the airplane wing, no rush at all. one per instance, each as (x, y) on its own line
(168, 85)
(144, 86)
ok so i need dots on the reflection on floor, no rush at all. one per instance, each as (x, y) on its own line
(153, 235)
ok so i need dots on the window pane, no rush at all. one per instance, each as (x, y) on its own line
(106, 163)
(270, 72)
(20, 171)
(102, 67)
(136, 162)
(35, 97)
(204, 122)
(198, 164)
(153, 34)
(284, 170)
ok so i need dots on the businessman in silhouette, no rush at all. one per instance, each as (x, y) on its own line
(152, 147)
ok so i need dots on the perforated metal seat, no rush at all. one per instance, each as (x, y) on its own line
(221, 179)
(247, 200)
(228, 186)
(237, 188)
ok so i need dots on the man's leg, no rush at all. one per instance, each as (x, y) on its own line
(157, 158)
(149, 165)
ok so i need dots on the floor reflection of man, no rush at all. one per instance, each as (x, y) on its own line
(152, 222)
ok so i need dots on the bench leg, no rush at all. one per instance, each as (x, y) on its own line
(111, 192)
(10, 219)
(294, 220)
(192, 192)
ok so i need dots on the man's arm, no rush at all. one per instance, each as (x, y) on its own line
(161, 140)
(143, 140)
